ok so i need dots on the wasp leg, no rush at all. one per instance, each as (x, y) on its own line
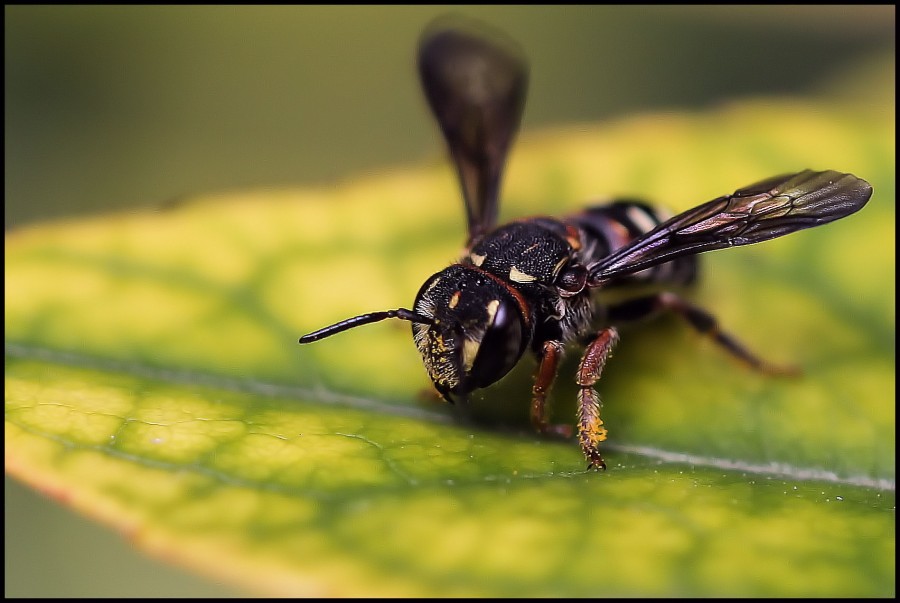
(702, 321)
(551, 355)
(590, 426)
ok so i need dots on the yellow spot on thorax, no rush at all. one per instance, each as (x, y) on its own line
(517, 276)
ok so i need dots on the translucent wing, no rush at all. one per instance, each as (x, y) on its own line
(475, 85)
(762, 211)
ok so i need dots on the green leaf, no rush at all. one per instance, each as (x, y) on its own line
(154, 382)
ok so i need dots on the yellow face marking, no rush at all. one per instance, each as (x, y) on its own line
(469, 351)
(454, 299)
(471, 346)
(478, 260)
(517, 276)
(492, 310)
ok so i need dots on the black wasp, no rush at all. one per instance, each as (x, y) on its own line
(528, 284)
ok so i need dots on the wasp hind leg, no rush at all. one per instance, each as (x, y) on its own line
(702, 321)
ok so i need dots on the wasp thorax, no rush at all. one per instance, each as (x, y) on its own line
(479, 330)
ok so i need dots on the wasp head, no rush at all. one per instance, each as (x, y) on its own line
(478, 329)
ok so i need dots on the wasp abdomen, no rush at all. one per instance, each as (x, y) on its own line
(606, 228)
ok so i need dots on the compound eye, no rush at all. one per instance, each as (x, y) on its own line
(501, 346)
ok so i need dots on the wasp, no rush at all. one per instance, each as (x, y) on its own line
(530, 285)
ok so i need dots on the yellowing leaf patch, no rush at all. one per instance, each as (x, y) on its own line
(154, 382)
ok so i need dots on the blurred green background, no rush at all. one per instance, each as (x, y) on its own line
(111, 108)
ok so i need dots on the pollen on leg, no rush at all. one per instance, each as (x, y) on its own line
(590, 427)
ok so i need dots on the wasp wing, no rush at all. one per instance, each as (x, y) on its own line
(475, 84)
(762, 211)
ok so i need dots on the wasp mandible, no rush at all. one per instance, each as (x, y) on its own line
(529, 284)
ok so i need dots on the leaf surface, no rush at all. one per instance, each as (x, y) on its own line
(153, 381)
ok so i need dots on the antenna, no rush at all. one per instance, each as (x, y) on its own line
(364, 319)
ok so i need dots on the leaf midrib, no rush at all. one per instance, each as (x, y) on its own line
(20, 351)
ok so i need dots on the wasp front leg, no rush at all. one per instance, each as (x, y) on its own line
(590, 426)
(551, 355)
